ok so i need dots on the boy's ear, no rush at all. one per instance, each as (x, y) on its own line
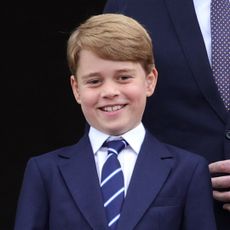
(75, 89)
(151, 81)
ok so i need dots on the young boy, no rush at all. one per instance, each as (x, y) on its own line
(148, 185)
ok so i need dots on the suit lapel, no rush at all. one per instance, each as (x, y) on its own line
(149, 175)
(184, 20)
(81, 179)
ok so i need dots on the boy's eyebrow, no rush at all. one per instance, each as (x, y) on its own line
(119, 71)
(126, 70)
(93, 74)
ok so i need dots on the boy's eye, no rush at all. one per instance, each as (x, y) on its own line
(124, 77)
(94, 82)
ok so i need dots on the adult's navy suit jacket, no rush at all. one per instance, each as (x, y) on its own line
(186, 109)
(169, 189)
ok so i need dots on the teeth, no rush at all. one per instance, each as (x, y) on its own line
(112, 108)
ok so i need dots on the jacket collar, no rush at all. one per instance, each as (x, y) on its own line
(184, 20)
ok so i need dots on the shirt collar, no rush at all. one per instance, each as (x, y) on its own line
(97, 138)
(134, 137)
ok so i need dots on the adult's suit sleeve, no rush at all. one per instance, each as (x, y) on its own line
(32, 210)
(198, 212)
(113, 6)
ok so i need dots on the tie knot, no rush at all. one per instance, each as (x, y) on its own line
(115, 146)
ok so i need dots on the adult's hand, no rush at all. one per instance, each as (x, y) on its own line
(221, 182)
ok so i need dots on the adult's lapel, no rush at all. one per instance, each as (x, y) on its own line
(80, 175)
(150, 173)
(186, 25)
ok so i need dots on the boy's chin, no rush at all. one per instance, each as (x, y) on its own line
(115, 131)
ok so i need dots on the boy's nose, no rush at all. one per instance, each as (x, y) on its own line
(110, 90)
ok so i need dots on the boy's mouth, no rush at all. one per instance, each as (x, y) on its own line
(112, 108)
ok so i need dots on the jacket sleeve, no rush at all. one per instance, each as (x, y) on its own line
(114, 6)
(199, 213)
(32, 210)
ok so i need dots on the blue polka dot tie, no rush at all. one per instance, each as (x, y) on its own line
(220, 40)
(112, 182)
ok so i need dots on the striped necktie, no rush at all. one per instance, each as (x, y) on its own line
(220, 47)
(112, 182)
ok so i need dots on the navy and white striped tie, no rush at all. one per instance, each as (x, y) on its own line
(112, 182)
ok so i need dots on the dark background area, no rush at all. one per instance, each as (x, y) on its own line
(39, 112)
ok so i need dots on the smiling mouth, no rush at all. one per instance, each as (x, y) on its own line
(112, 108)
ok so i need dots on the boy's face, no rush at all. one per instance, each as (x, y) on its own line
(112, 94)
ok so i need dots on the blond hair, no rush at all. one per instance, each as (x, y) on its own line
(111, 36)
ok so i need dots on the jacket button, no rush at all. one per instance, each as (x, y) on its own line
(227, 134)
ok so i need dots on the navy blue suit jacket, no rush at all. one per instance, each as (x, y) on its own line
(186, 109)
(61, 191)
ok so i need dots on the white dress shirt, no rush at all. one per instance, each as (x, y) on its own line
(203, 12)
(126, 157)
(202, 8)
